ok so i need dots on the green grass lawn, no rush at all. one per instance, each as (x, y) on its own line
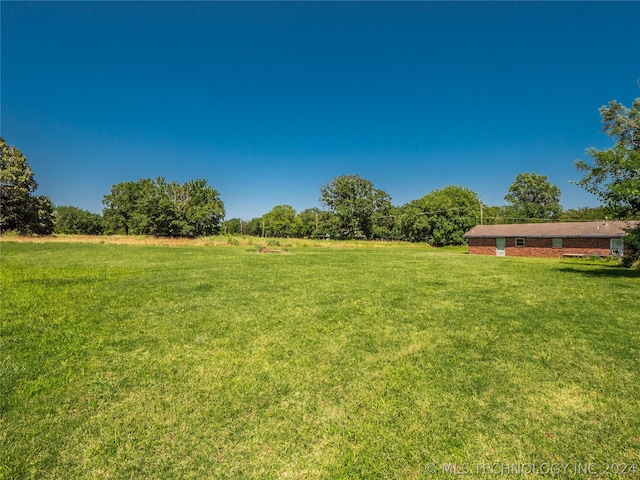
(133, 361)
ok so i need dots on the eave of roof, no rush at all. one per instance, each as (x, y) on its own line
(608, 229)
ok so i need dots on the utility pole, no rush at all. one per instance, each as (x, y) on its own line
(481, 214)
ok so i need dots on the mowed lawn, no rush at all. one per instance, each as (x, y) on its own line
(135, 361)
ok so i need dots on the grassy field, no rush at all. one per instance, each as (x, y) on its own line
(307, 361)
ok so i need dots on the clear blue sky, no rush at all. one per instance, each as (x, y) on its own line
(268, 101)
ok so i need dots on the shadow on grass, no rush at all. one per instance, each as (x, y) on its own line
(611, 271)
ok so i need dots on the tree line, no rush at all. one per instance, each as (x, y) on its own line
(353, 207)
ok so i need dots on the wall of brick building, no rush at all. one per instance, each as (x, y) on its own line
(481, 246)
(541, 247)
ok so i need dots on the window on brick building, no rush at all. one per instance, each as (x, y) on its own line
(557, 243)
(519, 242)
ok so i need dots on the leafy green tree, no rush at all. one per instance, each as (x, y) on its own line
(120, 205)
(385, 224)
(202, 209)
(40, 216)
(162, 208)
(282, 221)
(232, 226)
(16, 186)
(587, 213)
(441, 217)
(316, 223)
(495, 215)
(632, 248)
(614, 175)
(254, 227)
(73, 220)
(19, 210)
(154, 212)
(355, 202)
(533, 197)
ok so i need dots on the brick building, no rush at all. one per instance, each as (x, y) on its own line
(601, 238)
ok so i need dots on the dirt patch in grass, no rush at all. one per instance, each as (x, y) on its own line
(269, 250)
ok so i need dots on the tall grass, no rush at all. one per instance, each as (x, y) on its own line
(136, 361)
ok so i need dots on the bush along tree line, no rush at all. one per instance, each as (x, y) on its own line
(354, 207)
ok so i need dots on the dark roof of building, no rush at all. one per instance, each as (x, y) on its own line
(606, 229)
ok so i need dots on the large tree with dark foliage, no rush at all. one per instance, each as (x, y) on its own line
(282, 221)
(74, 220)
(533, 197)
(356, 203)
(19, 209)
(614, 174)
(441, 217)
(161, 208)
(316, 223)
